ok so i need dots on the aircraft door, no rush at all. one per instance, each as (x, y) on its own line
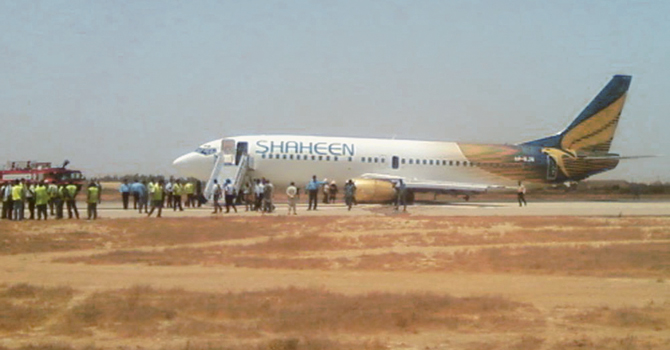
(228, 151)
(242, 149)
(395, 162)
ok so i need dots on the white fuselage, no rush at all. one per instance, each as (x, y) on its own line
(287, 158)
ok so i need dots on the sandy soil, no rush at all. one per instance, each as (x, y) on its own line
(556, 295)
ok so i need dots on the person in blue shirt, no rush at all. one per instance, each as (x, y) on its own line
(125, 193)
(136, 190)
(143, 194)
(401, 195)
(313, 190)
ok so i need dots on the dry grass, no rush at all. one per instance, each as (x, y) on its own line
(611, 343)
(23, 307)
(653, 317)
(610, 260)
(630, 260)
(292, 343)
(318, 319)
(143, 311)
(343, 232)
(526, 342)
(46, 236)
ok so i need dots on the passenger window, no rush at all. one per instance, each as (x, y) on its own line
(313, 157)
(402, 161)
(376, 160)
(270, 156)
(363, 159)
(411, 161)
(383, 160)
(425, 162)
(451, 162)
(290, 157)
(263, 156)
(458, 163)
(369, 159)
(284, 156)
(350, 159)
(320, 158)
(431, 162)
(444, 162)
(328, 158)
(335, 158)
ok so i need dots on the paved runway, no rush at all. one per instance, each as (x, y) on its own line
(579, 208)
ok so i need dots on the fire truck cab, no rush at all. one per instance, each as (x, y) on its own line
(40, 171)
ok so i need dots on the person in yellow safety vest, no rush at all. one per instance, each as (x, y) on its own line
(41, 200)
(71, 191)
(177, 191)
(60, 201)
(17, 198)
(189, 190)
(156, 198)
(92, 198)
(52, 189)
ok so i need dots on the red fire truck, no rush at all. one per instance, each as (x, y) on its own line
(38, 171)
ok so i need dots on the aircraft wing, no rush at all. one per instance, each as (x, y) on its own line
(418, 185)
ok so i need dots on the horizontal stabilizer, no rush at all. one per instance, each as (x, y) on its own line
(614, 156)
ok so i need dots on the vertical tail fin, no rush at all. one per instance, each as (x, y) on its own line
(593, 130)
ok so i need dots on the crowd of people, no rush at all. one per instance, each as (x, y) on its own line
(48, 199)
(254, 195)
(152, 195)
(39, 196)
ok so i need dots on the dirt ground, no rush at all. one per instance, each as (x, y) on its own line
(337, 282)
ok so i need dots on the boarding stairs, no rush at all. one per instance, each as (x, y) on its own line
(225, 168)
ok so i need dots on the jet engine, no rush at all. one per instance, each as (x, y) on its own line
(374, 191)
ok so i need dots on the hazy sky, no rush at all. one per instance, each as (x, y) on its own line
(127, 86)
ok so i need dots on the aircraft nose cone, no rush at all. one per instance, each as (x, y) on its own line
(186, 163)
(194, 165)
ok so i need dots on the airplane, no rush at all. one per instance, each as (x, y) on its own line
(581, 150)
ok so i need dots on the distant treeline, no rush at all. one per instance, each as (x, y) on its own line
(615, 187)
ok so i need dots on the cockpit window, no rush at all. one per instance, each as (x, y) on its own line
(205, 151)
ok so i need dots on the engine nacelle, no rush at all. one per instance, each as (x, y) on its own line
(374, 191)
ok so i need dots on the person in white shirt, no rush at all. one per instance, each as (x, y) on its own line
(216, 197)
(229, 190)
(7, 202)
(521, 194)
(258, 192)
(168, 191)
(292, 195)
